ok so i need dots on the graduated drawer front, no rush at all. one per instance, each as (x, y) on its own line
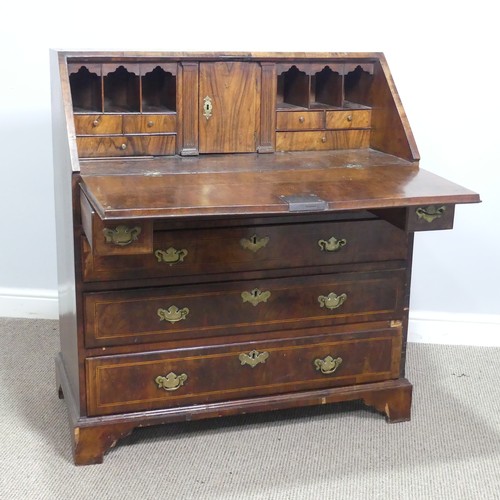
(205, 251)
(184, 312)
(98, 124)
(147, 124)
(130, 145)
(348, 119)
(300, 120)
(166, 379)
(322, 140)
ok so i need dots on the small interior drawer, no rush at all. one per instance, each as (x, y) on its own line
(353, 118)
(119, 238)
(300, 120)
(149, 123)
(208, 310)
(165, 379)
(93, 124)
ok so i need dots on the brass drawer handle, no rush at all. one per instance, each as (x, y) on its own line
(171, 382)
(207, 107)
(301, 119)
(121, 235)
(172, 314)
(430, 213)
(150, 123)
(349, 118)
(332, 300)
(332, 245)
(253, 358)
(327, 365)
(95, 123)
(254, 243)
(171, 255)
(255, 296)
(123, 147)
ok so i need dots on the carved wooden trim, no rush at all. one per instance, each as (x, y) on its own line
(267, 109)
(91, 443)
(167, 67)
(395, 403)
(112, 67)
(187, 109)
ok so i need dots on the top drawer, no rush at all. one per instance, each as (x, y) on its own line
(148, 124)
(300, 120)
(106, 124)
(98, 124)
(359, 118)
(250, 248)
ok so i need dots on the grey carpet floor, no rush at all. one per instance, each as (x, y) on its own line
(450, 449)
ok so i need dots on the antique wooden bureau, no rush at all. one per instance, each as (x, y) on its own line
(235, 234)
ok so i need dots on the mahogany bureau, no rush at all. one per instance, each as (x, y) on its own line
(234, 233)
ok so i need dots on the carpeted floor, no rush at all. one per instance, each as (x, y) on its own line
(450, 449)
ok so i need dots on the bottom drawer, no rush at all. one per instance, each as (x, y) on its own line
(126, 145)
(321, 140)
(163, 379)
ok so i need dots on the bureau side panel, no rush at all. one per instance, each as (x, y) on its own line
(406, 305)
(391, 131)
(62, 158)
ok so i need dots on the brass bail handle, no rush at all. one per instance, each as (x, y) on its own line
(171, 381)
(172, 314)
(430, 213)
(332, 300)
(327, 365)
(171, 255)
(121, 235)
(332, 245)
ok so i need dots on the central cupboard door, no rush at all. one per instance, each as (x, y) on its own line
(229, 107)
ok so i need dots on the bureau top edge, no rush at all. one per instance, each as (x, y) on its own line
(83, 56)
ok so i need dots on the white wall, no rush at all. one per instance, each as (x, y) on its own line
(442, 59)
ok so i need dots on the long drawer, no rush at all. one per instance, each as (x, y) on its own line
(172, 378)
(250, 248)
(184, 312)
(126, 145)
(319, 140)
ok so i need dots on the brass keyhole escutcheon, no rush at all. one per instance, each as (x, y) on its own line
(207, 107)
(253, 358)
(254, 243)
(255, 296)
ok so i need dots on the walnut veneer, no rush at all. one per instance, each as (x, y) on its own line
(235, 235)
